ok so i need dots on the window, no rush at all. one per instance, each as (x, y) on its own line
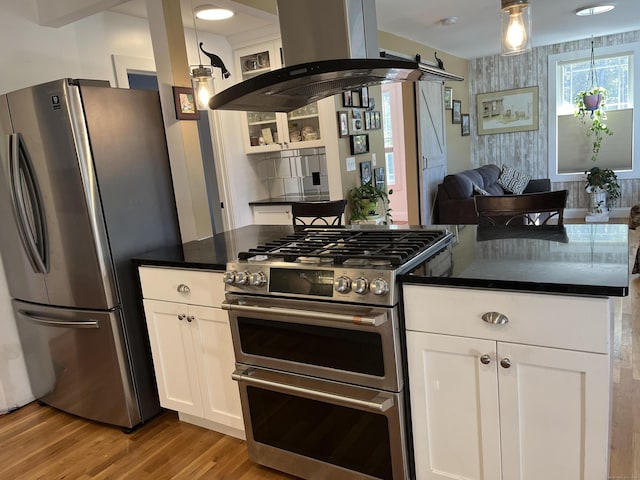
(388, 137)
(569, 148)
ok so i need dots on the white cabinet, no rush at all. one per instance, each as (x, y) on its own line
(272, 214)
(270, 131)
(525, 399)
(191, 346)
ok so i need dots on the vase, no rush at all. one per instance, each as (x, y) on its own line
(598, 211)
(592, 102)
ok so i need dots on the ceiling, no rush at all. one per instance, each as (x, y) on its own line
(475, 33)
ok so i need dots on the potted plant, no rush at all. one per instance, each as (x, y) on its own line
(602, 183)
(590, 109)
(363, 201)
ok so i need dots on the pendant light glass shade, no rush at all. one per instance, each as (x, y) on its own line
(202, 81)
(516, 26)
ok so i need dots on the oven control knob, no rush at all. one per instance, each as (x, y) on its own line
(343, 284)
(361, 285)
(380, 286)
(242, 278)
(258, 279)
(229, 277)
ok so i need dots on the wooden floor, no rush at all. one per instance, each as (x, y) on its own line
(41, 443)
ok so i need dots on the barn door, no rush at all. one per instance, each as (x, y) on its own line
(432, 146)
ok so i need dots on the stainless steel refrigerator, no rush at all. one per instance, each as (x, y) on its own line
(85, 185)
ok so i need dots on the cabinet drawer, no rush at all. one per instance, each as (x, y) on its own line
(272, 215)
(204, 287)
(576, 323)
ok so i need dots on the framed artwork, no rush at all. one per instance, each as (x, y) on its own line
(456, 114)
(378, 175)
(367, 120)
(464, 126)
(507, 111)
(360, 144)
(347, 99)
(185, 103)
(343, 124)
(376, 120)
(357, 125)
(365, 172)
(448, 98)
(364, 97)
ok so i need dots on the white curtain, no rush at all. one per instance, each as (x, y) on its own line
(14, 383)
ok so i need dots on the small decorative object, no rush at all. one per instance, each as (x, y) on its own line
(364, 202)
(364, 97)
(601, 185)
(507, 111)
(439, 60)
(359, 144)
(365, 172)
(216, 62)
(343, 124)
(347, 99)
(464, 126)
(456, 115)
(185, 103)
(448, 98)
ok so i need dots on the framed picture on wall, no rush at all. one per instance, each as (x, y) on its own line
(448, 98)
(456, 111)
(185, 103)
(364, 97)
(464, 126)
(365, 172)
(343, 124)
(507, 111)
(347, 99)
(378, 175)
(359, 144)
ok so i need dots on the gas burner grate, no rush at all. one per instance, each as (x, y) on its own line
(391, 246)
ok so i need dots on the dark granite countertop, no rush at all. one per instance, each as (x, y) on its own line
(589, 259)
(289, 199)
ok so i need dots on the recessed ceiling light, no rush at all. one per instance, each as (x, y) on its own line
(596, 10)
(209, 12)
(448, 21)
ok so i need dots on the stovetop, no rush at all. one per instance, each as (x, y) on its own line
(391, 248)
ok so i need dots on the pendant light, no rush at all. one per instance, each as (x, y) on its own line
(516, 26)
(201, 76)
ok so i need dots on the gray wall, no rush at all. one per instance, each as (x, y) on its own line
(529, 151)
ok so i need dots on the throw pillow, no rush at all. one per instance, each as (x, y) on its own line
(479, 190)
(513, 180)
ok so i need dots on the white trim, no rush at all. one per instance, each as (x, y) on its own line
(582, 212)
(553, 81)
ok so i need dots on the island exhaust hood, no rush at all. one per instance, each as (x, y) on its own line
(329, 47)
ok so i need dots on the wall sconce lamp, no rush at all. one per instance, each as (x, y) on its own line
(516, 26)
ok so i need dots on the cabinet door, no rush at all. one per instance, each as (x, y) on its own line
(173, 356)
(216, 363)
(554, 413)
(454, 407)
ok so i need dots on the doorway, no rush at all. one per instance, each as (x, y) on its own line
(394, 151)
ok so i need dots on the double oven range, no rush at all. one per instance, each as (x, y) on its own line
(319, 360)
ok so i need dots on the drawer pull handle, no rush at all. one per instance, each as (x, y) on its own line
(182, 288)
(505, 362)
(190, 318)
(181, 316)
(485, 359)
(495, 318)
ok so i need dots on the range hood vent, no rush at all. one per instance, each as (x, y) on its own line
(331, 49)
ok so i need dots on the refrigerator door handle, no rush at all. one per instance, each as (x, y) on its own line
(54, 321)
(22, 175)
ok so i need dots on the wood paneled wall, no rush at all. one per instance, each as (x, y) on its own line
(529, 151)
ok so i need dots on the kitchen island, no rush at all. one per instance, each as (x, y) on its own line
(529, 394)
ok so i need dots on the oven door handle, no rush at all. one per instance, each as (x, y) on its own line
(381, 403)
(373, 321)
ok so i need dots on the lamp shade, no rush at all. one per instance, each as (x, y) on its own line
(516, 26)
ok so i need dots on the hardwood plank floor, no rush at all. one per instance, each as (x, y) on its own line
(42, 443)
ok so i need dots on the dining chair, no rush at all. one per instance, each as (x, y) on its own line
(314, 213)
(527, 209)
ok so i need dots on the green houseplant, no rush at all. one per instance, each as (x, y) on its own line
(363, 201)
